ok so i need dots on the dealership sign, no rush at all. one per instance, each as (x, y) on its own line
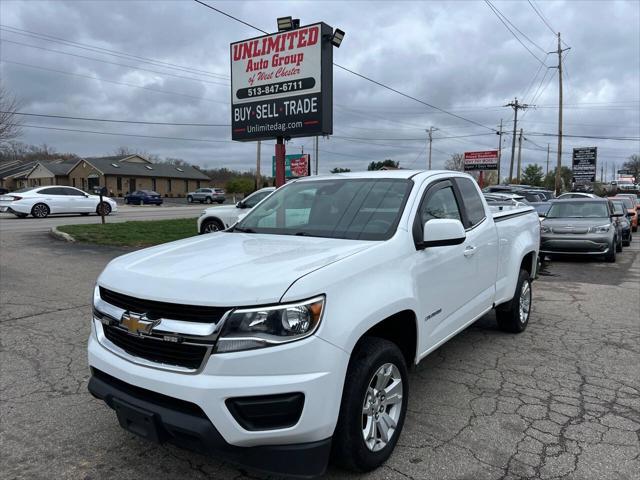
(485, 160)
(583, 164)
(295, 166)
(282, 84)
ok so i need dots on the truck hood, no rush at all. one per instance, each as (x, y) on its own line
(224, 269)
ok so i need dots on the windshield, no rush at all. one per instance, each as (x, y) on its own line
(366, 209)
(628, 203)
(566, 209)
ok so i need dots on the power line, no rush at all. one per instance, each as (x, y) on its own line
(542, 18)
(120, 121)
(157, 90)
(106, 51)
(495, 12)
(133, 67)
(517, 29)
(364, 77)
(94, 132)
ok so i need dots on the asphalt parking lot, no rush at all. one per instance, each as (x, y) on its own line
(561, 400)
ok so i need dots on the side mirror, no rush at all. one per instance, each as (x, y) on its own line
(618, 214)
(442, 232)
(240, 204)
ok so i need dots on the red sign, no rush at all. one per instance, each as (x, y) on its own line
(485, 160)
(300, 166)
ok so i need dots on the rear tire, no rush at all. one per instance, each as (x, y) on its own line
(141, 202)
(619, 245)
(40, 210)
(209, 200)
(220, 201)
(376, 384)
(513, 316)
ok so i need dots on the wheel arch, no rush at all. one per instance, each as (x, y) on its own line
(212, 218)
(401, 328)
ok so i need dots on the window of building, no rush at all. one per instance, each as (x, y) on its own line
(153, 184)
(186, 185)
(118, 183)
(198, 184)
(168, 184)
(73, 181)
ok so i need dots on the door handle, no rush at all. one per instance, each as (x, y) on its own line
(469, 251)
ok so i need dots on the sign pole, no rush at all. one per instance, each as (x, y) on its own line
(258, 167)
(481, 179)
(280, 158)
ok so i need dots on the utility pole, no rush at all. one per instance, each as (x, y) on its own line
(548, 147)
(499, 132)
(601, 173)
(519, 156)
(316, 154)
(559, 166)
(516, 106)
(258, 166)
(430, 131)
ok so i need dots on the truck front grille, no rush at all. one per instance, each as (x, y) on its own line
(156, 349)
(154, 309)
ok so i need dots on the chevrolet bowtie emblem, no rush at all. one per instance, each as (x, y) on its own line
(136, 324)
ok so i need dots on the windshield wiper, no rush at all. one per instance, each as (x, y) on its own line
(243, 230)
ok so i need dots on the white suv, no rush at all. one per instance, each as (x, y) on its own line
(218, 218)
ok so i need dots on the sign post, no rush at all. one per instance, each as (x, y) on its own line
(282, 87)
(485, 160)
(583, 164)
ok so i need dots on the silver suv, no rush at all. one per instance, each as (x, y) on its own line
(208, 195)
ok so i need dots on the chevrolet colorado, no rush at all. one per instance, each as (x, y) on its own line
(287, 337)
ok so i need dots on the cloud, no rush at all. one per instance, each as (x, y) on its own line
(455, 55)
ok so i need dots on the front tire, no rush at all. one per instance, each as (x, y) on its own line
(40, 210)
(374, 405)
(189, 199)
(513, 316)
(211, 225)
(209, 200)
(610, 256)
(104, 206)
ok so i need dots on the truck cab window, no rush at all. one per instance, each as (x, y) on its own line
(441, 204)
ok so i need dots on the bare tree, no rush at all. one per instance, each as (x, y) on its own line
(456, 162)
(9, 121)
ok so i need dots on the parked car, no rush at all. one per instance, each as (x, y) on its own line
(218, 218)
(3, 190)
(208, 195)
(584, 226)
(624, 221)
(287, 337)
(630, 207)
(143, 197)
(565, 196)
(40, 202)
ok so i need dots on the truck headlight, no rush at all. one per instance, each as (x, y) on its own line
(600, 228)
(250, 328)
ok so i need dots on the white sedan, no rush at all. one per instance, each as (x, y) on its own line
(219, 218)
(40, 202)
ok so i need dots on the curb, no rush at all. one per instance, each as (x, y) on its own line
(58, 235)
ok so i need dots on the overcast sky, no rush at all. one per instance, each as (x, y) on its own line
(455, 55)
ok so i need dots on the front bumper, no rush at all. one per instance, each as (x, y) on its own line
(589, 244)
(162, 419)
(310, 366)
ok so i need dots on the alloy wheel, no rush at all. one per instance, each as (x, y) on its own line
(382, 407)
(525, 302)
(211, 227)
(40, 210)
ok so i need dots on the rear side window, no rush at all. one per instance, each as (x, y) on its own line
(472, 202)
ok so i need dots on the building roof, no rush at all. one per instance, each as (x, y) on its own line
(59, 168)
(15, 167)
(116, 166)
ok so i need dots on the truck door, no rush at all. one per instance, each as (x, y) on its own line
(442, 274)
(481, 246)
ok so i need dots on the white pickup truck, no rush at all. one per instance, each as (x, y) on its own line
(287, 337)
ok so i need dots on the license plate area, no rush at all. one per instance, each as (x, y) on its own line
(138, 421)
